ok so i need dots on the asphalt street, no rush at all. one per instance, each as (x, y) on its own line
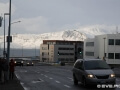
(49, 78)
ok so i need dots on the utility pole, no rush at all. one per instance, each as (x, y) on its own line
(9, 29)
(4, 52)
(1, 21)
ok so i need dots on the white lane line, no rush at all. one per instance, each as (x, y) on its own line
(46, 71)
(50, 78)
(45, 75)
(70, 78)
(67, 86)
(57, 81)
(37, 81)
(22, 84)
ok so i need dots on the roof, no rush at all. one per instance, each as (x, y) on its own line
(87, 59)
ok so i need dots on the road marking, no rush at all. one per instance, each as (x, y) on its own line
(70, 78)
(45, 75)
(40, 79)
(50, 78)
(37, 81)
(57, 81)
(67, 86)
(46, 71)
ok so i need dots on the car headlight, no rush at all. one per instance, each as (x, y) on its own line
(27, 63)
(32, 63)
(21, 61)
(90, 76)
(112, 75)
(15, 61)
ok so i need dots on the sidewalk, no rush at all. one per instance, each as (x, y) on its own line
(11, 85)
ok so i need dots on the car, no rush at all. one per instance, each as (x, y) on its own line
(29, 63)
(19, 62)
(92, 72)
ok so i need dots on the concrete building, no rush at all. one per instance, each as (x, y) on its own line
(60, 50)
(101, 46)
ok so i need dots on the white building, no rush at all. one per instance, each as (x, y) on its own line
(60, 50)
(103, 45)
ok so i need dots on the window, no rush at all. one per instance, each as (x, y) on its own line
(89, 53)
(42, 53)
(65, 48)
(110, 55)
(117, 55)
(79, 64)
(117, 42)
(89, 43)
(111, 42)
(44, 48)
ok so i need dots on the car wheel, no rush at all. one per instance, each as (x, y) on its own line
(75, 80)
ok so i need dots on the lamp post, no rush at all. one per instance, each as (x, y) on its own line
(9, 29)
(104, 48)
(35, 51)
(4, 34)
(9, 40)
(0, 48)
(25, 40)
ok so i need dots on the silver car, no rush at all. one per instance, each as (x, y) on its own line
(92, 72)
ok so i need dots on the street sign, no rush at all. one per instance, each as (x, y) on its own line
(9, 38)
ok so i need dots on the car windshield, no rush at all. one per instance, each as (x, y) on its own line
(96, 64)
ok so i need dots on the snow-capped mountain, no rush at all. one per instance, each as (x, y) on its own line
(34, 40)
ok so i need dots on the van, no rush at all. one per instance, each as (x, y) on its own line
(92, 72)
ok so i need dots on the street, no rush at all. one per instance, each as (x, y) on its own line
(49, 78)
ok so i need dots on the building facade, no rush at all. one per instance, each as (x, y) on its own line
(60, 50)
(105, 47)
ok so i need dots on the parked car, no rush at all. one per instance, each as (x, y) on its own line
(29, 63)
(19, 62)
(92, 72)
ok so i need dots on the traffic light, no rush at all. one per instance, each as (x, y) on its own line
(1, 21)
(80, 50)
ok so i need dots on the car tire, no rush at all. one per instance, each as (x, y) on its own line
(75, 80)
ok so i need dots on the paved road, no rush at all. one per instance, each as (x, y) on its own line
(48, 78)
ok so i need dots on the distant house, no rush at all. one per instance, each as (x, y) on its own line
(103, 46)
(60, 50)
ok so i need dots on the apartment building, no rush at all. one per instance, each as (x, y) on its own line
(103, 46)
(60, 50)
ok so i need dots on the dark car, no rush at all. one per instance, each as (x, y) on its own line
(29, 63)
(19, 62)
(92, 72)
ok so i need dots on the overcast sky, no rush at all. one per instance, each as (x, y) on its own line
(42, 16)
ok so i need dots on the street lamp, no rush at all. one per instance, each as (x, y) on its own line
(4, 34)
(25, 40)
(9, 29)
(16, 22)
(104, 48)
(0, 48)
